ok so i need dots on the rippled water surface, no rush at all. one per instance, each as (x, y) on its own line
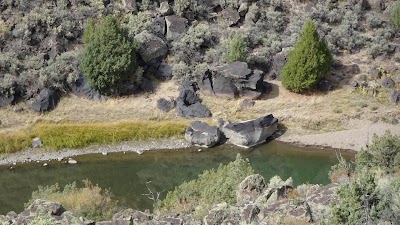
(126, 174)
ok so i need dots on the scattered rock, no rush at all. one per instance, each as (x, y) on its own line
(164, 71)
(151, 47)
(72, 161)
(276, 189)
(375, 74)
(165, 9)
(165, 105)
(379, 5)
(387, 82)
(231, 16)
(46, 101)
(5, 101)
(247, 103)
(397, 79)
(394, 96)
(352, 69)
(251, 132)
(157, 27)
(176, 27)
(250, 189)
(104, 153)
(188, 105)
(45, 164)
(243, 8)
(325, 85)
(202, 134)
(82, 88)
(37, 143)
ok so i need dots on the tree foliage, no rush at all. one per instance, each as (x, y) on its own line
(211, 187)
(308, 62)
(384, 152)
(237, 49)
(109, 58)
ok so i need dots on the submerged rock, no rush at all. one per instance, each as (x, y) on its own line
(202, 134)
(251, 132)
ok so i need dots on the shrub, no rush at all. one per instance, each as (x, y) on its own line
(308, 62)
(384, 152)
(109, 58)
(3, 29)
(90, 201)
(211, 187)
(395, 15)
(237, 49)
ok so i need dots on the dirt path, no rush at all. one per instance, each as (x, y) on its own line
(352, 139)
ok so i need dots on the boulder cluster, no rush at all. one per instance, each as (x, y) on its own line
(244, 134)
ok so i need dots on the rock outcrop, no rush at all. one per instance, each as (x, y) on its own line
(46, 100)
(250, 189)
(176, 27)
(151, 47)
(188, 105)
(202, 134)
(251, 132)
(82, 88)
(233, 81)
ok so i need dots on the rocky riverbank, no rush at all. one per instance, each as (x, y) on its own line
(33, 155)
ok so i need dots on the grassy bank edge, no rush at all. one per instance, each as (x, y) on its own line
(57, 136)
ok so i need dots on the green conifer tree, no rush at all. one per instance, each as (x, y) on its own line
(310, 60)
(109, 58)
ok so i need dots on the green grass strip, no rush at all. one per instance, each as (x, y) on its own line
(58, 136)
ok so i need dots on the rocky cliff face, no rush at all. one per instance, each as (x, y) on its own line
(258, 203)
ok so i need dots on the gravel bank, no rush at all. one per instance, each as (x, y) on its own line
(30, 155)
(352, 139)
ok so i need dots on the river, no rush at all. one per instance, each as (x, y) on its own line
(126, 174)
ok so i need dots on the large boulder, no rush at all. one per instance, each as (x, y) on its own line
(164, 71)
(82, 88)
(202, 134)
(251, 132)
(231, 16)
(46, 100)
(394, 96)
(151, 47)
(250, 189)
(188, 105)
(176, 27)
(165, 105)
(233, 81)
(6, 100)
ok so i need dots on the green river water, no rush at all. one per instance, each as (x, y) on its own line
(126, 174)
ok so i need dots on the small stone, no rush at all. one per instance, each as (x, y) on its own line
(11, 168)
(37, 161)
(199, 150)
(59, 159)
(104, 153)
(45, 164)
(124, 153)
(72, 161)
(37, 143)
(139, 151)
(14, 163)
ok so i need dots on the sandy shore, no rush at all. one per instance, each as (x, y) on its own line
(353, 139)
(32, 155)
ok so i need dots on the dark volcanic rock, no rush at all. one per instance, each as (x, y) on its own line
(165, 105)
(387, 82)
(231, 15)
(158, 27)
(164, 71)
(46, 101)
(151, 47)
(188, 105)
(325, 85)
(233, 81)
(394, 96)
(250, 133)
(250, 189)
(82, 88)
(202, 134)
(176, 27)
(5, 101)
(146, 85)
(278, 61)
(376, 74)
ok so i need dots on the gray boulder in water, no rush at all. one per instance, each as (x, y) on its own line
(202, 134)
(251, 132)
